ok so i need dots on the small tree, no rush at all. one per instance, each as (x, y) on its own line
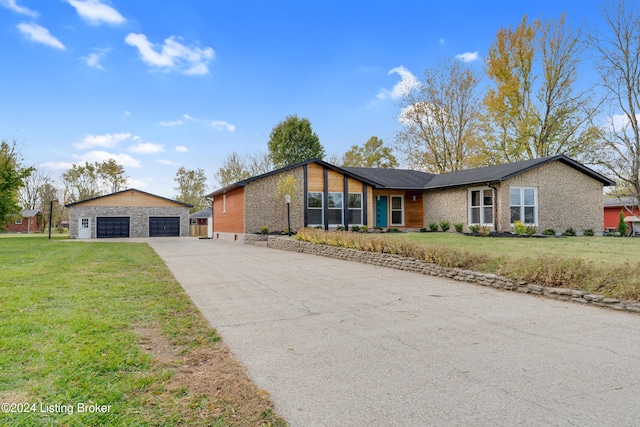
(622, 226)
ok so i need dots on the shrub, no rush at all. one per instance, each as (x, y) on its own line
(459, 227)
(474, 228)
(589, 232)
(423, 230)
(433, 226)
(264, 230)
(444, 225)
(355, 228)
(531, 229)
(519, 228)
(484, 230)
(340, 228)
(393, 230)
(549, 232)
(569, 232)
(622, 226)
(364, 229)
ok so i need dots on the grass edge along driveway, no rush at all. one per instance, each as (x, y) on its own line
(102, 334)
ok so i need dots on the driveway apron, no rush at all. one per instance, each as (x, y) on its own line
(339, 343)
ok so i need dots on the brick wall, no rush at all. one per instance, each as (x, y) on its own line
(228, 212)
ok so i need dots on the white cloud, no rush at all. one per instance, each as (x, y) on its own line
(100, 156)
(94, 58)
(173, 55)
(107, 140)
(468, 56)
(181, 149)
(40, 34)
(56, 165)
(167, 162)
(147, 148)
(407, 83)
(12, 5)
(188, 117)
(95, 12)
(222, 125)
(172, 123)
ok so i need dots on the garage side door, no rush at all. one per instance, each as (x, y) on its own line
(160, 226)
(117, 226)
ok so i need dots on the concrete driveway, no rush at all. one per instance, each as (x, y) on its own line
(347, 344)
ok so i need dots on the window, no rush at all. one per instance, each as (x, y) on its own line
(224, 203)
(355, 209)
(396, 210)
(481, 206)
(84, 223)
(314, 209)
(524, 205)
(335, 205)
(19, 221)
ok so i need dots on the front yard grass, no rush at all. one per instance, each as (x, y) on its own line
(107, 324)
(607, 266)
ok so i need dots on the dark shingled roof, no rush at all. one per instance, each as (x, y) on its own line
(124, 191)
(500, 173)
(205, 213)
(393, 178)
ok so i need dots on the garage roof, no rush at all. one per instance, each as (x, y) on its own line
(124, 191)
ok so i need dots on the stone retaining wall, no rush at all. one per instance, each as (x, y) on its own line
(418, 266)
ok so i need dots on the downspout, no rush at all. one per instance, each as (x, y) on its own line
(495, 206)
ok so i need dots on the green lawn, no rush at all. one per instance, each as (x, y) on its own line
(604, 251)
(67, 320)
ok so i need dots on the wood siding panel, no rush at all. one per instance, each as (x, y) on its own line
(315, 177)
(413, 210)
(355, 186)
(231, 219)
(130, 198)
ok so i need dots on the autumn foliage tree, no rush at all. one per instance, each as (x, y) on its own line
(94, 179)
(192, 187)
(441, 120)
(533, 110)
(372, 154)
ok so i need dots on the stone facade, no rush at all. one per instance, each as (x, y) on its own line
(423, 267)
(139, 217)
(263, 206)
(566, 198)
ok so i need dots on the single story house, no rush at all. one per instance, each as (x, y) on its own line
(549, 193)
(201, 222)
(128, 213)
(30, 221)
(612, 208)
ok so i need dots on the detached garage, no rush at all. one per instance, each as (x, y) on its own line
(128, 213)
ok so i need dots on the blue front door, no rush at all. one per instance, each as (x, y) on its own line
(381, 211)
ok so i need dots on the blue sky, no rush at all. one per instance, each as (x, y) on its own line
(158, 85)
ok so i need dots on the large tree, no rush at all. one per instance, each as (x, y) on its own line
(372, 154)
(192, 188)
(93, 179)
(31, 191)
(292, 141)
(440, 120)
(618, 64)
(12, 176)
(533, 109)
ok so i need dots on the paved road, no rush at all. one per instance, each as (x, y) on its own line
(347, 344)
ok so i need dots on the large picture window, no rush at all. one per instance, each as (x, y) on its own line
(396, 210)
(355, 209)
(334, 203)
(481, 206)
(315, 213)
(524, 205)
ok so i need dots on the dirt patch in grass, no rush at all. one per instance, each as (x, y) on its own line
(208, 380)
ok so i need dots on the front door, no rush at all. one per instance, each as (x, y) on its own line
(381, 211)
(84, 228)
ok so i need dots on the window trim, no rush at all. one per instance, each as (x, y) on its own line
(522, 205)
(355, 209)
(224, 204)
(391, 210)
(321, 208)
(341, 208)
(482, 206)
(19, 221)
